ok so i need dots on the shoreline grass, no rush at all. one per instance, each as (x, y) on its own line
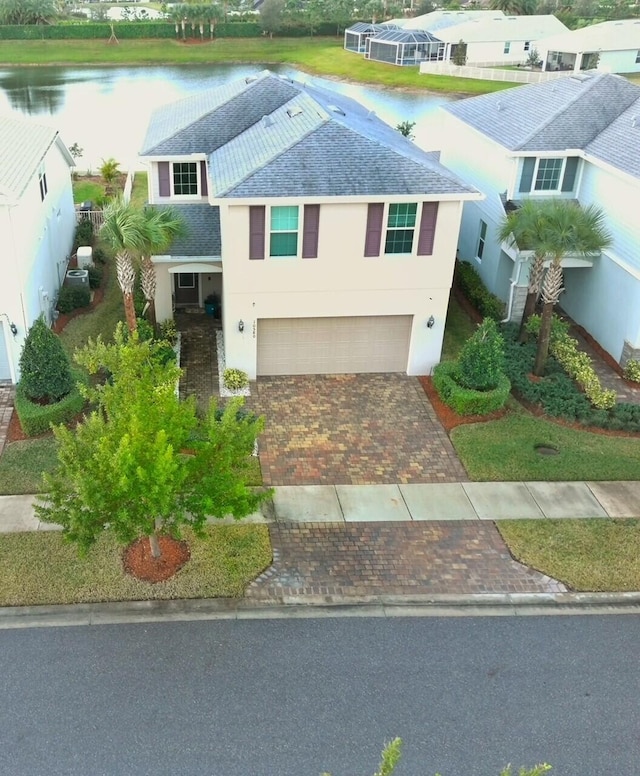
(319, 56)
(597, 555)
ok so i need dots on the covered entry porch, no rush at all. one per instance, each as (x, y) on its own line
(188, 285)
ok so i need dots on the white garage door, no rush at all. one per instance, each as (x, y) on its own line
(5, 372)
(303, 346)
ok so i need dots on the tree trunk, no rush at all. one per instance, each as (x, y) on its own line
(543, 339)
(130, 312)
(155, 545)
(536, 278)
(529, 310)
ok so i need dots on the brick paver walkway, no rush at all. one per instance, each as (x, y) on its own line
(6, 410)
(359, 559)
(351, 429)
(198, 356)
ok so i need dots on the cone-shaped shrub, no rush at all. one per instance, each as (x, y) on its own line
(481, 360)
(45, 370)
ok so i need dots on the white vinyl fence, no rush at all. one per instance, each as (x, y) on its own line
(492, 74)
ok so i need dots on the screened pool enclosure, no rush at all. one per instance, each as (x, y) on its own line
(404, 47)
(356, 36)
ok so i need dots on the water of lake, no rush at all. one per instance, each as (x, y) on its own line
(106, 109)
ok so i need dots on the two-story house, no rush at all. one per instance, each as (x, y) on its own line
(577, 138)
(37, 222)
(329, 237)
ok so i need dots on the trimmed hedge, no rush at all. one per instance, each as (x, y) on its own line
(470, 283)
(37, 419)
(123, 31)
(72, 298)
(466, 401)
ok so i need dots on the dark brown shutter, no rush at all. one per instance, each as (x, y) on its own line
(373, 238)
(164, 184)
(203, 179)
(427, 228)
(256, 231)
(310, 231)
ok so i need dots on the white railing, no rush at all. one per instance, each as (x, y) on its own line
(492, 74)
(128, 186)
(95, 216)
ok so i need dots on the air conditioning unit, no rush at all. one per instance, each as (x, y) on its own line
(84, 256)
(78, 277)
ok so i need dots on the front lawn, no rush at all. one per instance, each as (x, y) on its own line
(87, 191)
(599, 555)
(505, 450)
(23, 463)
(42, 568)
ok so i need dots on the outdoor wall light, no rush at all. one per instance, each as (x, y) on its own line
(12, 327)
(241, 325)
(431, 322)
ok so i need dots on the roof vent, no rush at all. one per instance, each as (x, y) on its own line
(293, 112)
(267, 121)
(371, 115)
(250, 79)
(499, 105)
(336, 109)
(635, 121)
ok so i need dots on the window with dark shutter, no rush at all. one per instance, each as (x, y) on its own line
(570, 171)
(375, 216)
(204, 189)
(164, 180)
(427, 228)
(256, 231)
(310, 231)
(528, 166)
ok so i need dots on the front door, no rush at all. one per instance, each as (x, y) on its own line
(186, 288)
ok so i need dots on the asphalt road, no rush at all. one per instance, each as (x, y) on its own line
(298, 697)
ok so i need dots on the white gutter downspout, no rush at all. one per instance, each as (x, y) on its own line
(514, 283)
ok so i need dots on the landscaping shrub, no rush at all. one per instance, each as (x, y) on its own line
(470, 283)
(95, 276)
(99, 256)
(45, 369)
(169, 331)
(235, 379)
(37, 419)
(467, 401)
(632, 370)
(83, 234)
(481, 360)
(72, 298)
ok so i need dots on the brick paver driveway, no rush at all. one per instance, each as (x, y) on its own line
(351, 429)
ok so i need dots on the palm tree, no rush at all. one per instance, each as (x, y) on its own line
(161, 227)
(124, 229)
(568, 229)
(525, 228)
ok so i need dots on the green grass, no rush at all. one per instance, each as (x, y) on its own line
(139, 192)
(42, 568)
(323, 56)
(101, 320)
(458, 329)
(504, 450)
(22, 464)
(84, 191)
(593, 555)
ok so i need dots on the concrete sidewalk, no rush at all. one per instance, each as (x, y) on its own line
(421, 502)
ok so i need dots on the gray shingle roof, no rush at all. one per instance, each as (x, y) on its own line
(577, 112)
(23, 146)
(206, 121)
(202, 231)
(315, 142)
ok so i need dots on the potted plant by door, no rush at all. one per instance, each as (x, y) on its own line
(211, 304)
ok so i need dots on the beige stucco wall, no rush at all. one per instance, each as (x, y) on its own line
(340, 282)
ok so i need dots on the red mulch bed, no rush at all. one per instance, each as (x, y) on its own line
(98, 296)
(140, 563)
(446, 415)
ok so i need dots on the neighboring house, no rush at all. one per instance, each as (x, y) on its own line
(330, 237)
(37, 223)
(577, 138)
(611, 47)
(500, 40)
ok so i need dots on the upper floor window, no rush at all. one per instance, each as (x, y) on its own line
(283, 240)
(401, 224)
(185, 179)
(527, 45)
(42, 182)
(482, 238)
(548, 175)
(507, 47)
(638, 58)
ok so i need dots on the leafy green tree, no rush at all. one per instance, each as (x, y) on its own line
(125, 467)
(405, 128)
(481, 359)
(28, 11)
(533, 60)
(109, 172)
(459, 54)
(272, 16)
(45, 370)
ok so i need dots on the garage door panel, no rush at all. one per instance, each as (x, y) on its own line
(333, 345)
(5, 370)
